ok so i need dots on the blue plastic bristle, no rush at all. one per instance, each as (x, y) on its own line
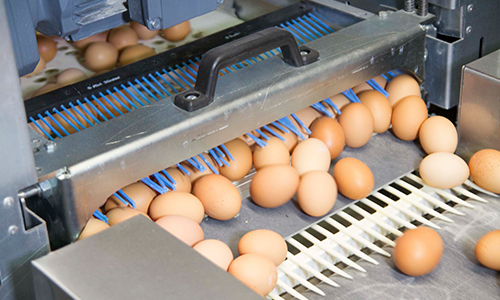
(167, 82)
(328, 28)
(164, 183)
(300, 25)
(153, 87)
(190, 69)
(335, 107)
(258, 141)
(66, 119)
(241, 65)
(294, 34)
(302, 32)
(175, 80)
(147, 181)
(208, 164)
(289, 125)
(392, 73)
(100, 216)
(71, 117)
(262, 134)
(58, 124)
(123, 96)
(182, 78)
(127, 198)
(351, 96)
(308, 131)
(110, 103)
(195, 165)
(201, 167)
(82, 126)
(120, 198)
(130, 94)
(144, 88)
(302, 21)
(41, 129)
(118, 100)
(322, 109)
(183, 169)
(50, 126)
(227, 151)
(130, 84)
(318, 26)
(185, 73)
(280, 127)
(386, 77)
(169, 177)
(221, 154)
(273, 132)
(377, 87)
(215, 157)
(103, 107)
(93, 108)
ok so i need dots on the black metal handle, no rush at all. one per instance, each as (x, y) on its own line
(226, 55)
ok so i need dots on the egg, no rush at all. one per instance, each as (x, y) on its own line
(194, 173)
(291, 139)
(418, 251)
(84, 43)
(219, 196)
(329, 131)
(317, 193)
(273, 186)
(484, 168)
(242, 163)
(488, 250)
(178, 32)
(408, 116)
(310, 155)
(140, 193)
(380, 108)
(366, 87)
(357, 122)
(177, 203)
(122, 37)
(101, 56)
(134, 53)
(400, 87)
(438, 134)
(40, 66)
(443, 170)
(354, 178)
(183, 228)
(275, 153)
(255, 290)
(120, 214)
(215, 251)
(264, 242)
(70, 76)
(49, 87)
(93, 226)
(142, 31)
(182, 181)
(255, 271)
(46, 47)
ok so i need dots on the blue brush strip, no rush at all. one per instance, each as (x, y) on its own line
(100, 216)
(138, 92)
(310, 27)
(103, 106)
(146, 89)
(66, 119)
(262, 134)
(259, 142)
(183, 169)
(120, 198)
(93, 108)
(41, 129)
(169, 177)
(221, 154)
(351, 98)
(196, 164)
(301, 123)
(322, 109)
(132, 95)
(227, 151)
(110, 103)
(299, 24)
(127, 198)
(80, 113)
(124, 97)
(273, 132)
(72, 116)
(294, 34)
(377, 87)
(50, 126)
(161, 181)
(215, 157)
(185, 73)
(282, 128)
(316, 24)
(335, 107)
(152, 87)
(182, 78)
(168, 83)
(167, 183)
(321, 22)
(208, 164)
(386, 77)
(191, 69)
(299, 31)
(153, 185)
(289, 125)
(66, 133)
(175, 80)
(118, 100)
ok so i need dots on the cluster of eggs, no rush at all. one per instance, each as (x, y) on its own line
(104, 51)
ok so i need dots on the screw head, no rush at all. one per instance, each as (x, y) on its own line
(468, 30)
(382, 14)
(8, 201)
(154, 23)
(13, 229)
(470, 7)
(220, 1)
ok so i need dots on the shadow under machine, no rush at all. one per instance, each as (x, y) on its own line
(272, 65)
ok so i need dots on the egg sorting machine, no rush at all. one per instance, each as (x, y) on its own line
(67, 179)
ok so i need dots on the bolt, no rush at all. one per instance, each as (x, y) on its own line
(13, 229)
(154, 23)
(304, 52)
(220, 1)
(382, 14)
(36, 141)
(409, 5)
(401, 50)
(468, 29)
(372, 60)
(51, 147)
(426, 53)
(191, 97)
(46, 188)
(470, 7)
(8, 201)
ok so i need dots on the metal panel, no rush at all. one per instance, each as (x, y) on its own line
(19, 242)
(479, 115)
(157, 136)
(135, 259)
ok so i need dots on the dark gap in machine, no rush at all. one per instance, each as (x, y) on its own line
(365, 207)
(376, 201)
(299, 238)
(411, 182)
(353, 214)
(341, 220)
(388, 194)
(328, 227)
(400, 188)
(315, 234)
(292, 249)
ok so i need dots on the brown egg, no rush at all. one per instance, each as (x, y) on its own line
(264, 242)
(380, 108)
(183, 228)
(134, 53)
(215, 251)
(182, 181)
(70, 76)
(142, 31)
(46, 47)
(122, 37)
(120, 214)
(443, 170)
(366, 87)
(275, 153)
(317, 193)
(354, 178)
(400, 87)
(84, 43)
(194, 173)
(242, 163)
(408, 116)
(140, 193)
(310, 155)
(101, 56)
(178, 32)
(418, 251)
(290, 138)
(357, 122)
(38, 69)
(256, 271)
(219, 196)
(438, 134)
(256, 291)
(488, 250)
(93, 226)
(273, 186)
(329, 131)
(177, 203)
(49, 87)
(484, 168)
